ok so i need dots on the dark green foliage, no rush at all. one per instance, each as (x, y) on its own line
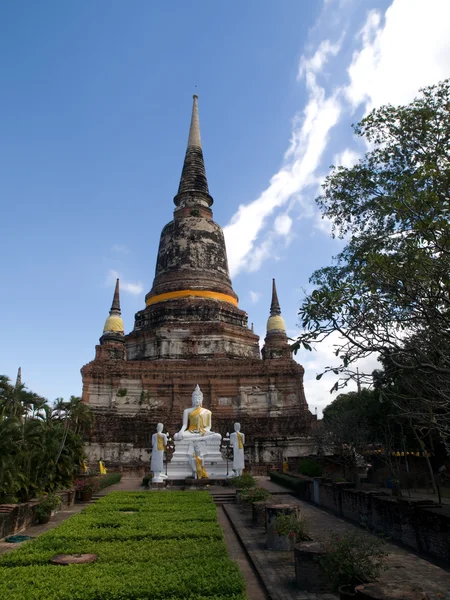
(242, 482)
(40, 446)
(45, 507)
(352, 558)
(293, 483)
(146, 480)
(108, 479)
(310, 467)
(387, 292)
(159, 546)
(255, 494)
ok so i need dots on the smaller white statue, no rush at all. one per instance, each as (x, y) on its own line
(159, 446)
(197, 463)
(237, 441)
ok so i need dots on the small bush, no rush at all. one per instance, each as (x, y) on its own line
(45, 507)
(292, 526)
(147, 479)
(242, 482)
(352, 558)
(310, 468)
(256, 494)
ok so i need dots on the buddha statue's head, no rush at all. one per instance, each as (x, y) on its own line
(237, 426)
(159, 427)
(197, 396)
(197, 450)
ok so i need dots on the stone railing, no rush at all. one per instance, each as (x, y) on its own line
(423, 526)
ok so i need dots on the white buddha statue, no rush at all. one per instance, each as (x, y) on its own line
(159, 446)
(237, 441)
(197, 421)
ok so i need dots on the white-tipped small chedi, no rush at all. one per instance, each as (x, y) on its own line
(159, 445)
(237, 442)
(195, 434)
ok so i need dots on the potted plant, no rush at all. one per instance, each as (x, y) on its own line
(85, 487)
(147, 480)
(351, 559)
(288, 529)
(46, 506)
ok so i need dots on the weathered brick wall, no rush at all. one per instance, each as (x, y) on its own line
(14, 518)
(129, 398)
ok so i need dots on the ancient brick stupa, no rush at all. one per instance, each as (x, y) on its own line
(190, 332)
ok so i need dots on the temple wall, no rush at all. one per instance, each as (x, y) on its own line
(129, 398)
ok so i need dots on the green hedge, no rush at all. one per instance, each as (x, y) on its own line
(109, 479)
(170, 547)
(293, 483)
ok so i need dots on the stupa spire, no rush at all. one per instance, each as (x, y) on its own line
(275, 305)
(276, 342)
(194, 139)
(114, 324)
(193, 189)
(115, 307)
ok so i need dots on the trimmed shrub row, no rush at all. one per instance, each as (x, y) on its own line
(109, 479)
(149, 552)
(293, 483)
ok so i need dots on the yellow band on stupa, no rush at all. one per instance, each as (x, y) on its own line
(195, 293)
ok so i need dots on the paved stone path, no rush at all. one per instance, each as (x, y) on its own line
(277, 568)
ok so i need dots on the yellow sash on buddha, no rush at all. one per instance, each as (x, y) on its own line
(102, 467)
(196, 421)
(160, 442)
(201, 473)
(84, 466)
(239, 440)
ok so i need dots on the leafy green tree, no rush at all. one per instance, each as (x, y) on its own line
(40, 448)
(388, 291)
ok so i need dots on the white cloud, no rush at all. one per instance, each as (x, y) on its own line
(395, 56)
(347, 158)
(128, 287)
(282, 224)
(410, 50)
(318, 60)
(255, 296)
(308, 141)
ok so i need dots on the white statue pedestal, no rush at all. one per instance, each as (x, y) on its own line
(180, 466)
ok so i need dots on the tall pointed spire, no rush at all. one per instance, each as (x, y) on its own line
(114, 323)
(193, 189)
(19, 378)
(116, 299)
(275, 305)
(276, 342)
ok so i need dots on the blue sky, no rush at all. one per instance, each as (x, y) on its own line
(95, 104)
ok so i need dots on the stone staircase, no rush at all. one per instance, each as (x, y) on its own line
(223, 497)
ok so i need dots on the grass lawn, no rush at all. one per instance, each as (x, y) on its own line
(149, 545)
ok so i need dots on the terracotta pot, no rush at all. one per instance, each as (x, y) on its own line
(85, 495)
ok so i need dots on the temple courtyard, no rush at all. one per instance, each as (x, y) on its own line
(185, 556)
